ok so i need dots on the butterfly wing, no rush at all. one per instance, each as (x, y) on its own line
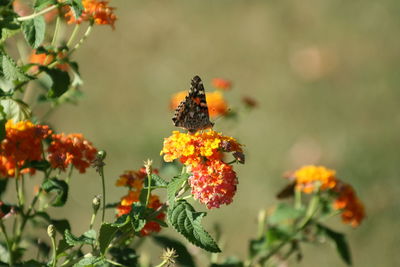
(192, 112)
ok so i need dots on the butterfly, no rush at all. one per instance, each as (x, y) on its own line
(192, 112)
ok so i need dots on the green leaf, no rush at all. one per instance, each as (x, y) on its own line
(125, 256)
(15, 109)
(229, 262)
(340, 242)
(90, 261)
(76, 6)
(3, 185)
(41, 4)
(173, 187)
(86, 238)
(284, 213)
(59, 187)
(34, 30)
(2, 127)
(107, 233)
(31, 263)
(137, 216)
(187, 221)
(155, 181)
(12, 71)
(40, 165)
(60, 81)
(184, 257)
(62, 247)
(60, 225)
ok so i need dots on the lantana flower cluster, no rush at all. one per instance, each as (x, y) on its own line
(311, 178)
(24, 143)
(213, 181)
(98, 11)
(134, 181)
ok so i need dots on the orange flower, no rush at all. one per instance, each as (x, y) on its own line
(44, 60)
(353, 210)
(98, 11)
(71, 149)
(215, 102)
(192, 149)
(221, 84)
(135, 181)
(23, 142)
(311, 178)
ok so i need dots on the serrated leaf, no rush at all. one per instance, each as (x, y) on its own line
(34, 31)
(60, 82)
(59, 187)
(81, 240)
(11, 71)
(187, 222)
(107, 232)
(40, 4)
(61, 225)
(76, 6)
(125, 256)
(62, 247)
(284, 213)
(15, 109)
(174, 185)
(184, 257)
(90, 261)
(340, 242)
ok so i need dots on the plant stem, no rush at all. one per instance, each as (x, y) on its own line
(53, 243)
(34, 15)
(82, 40)
(297, 199)
(101, 172)
(148, 189)
(3, 230)
(56, 30)
(20, 193)
(92, 221)
(162, 263)
(73, 35)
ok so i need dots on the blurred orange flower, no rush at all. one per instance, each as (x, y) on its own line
(71, 149)
(98, 11)
(353, 210)
(311, 178)
(221, 84)
(44, 60)
(134, 180)
(215, 102)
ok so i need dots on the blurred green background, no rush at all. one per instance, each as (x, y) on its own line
(325, 75)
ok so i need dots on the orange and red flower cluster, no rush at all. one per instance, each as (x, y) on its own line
(134, 180)
(23, 143)
(95, 10)
(71, 149)
(44, 60)
(213, 181)
(310, 179)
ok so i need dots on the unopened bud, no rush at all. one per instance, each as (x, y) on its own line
(96, 203)
(51, 231)
(147, 165)
(101, 154)
(98, 162)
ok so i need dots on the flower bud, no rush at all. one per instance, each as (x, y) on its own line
(147, 165)
(96, 203)
(51, 231)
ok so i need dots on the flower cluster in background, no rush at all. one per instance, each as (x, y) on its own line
(311, 179)
(134, 181)
(213, 181)
(24, 143)
(98, 11)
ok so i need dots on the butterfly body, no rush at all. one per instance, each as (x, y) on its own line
(192, 113)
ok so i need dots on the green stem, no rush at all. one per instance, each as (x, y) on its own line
(20, 193)
(148, 189)
(34, 15)
(82, 40)
(9, 248)
(92, 221)
(73, 35)
(56, 30)
(53, 243)
(162, 263)
(297, 199)
(68, 178)
(101, 171)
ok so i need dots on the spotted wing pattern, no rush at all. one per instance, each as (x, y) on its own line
(192, 112)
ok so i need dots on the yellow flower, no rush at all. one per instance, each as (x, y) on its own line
(310, 178)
